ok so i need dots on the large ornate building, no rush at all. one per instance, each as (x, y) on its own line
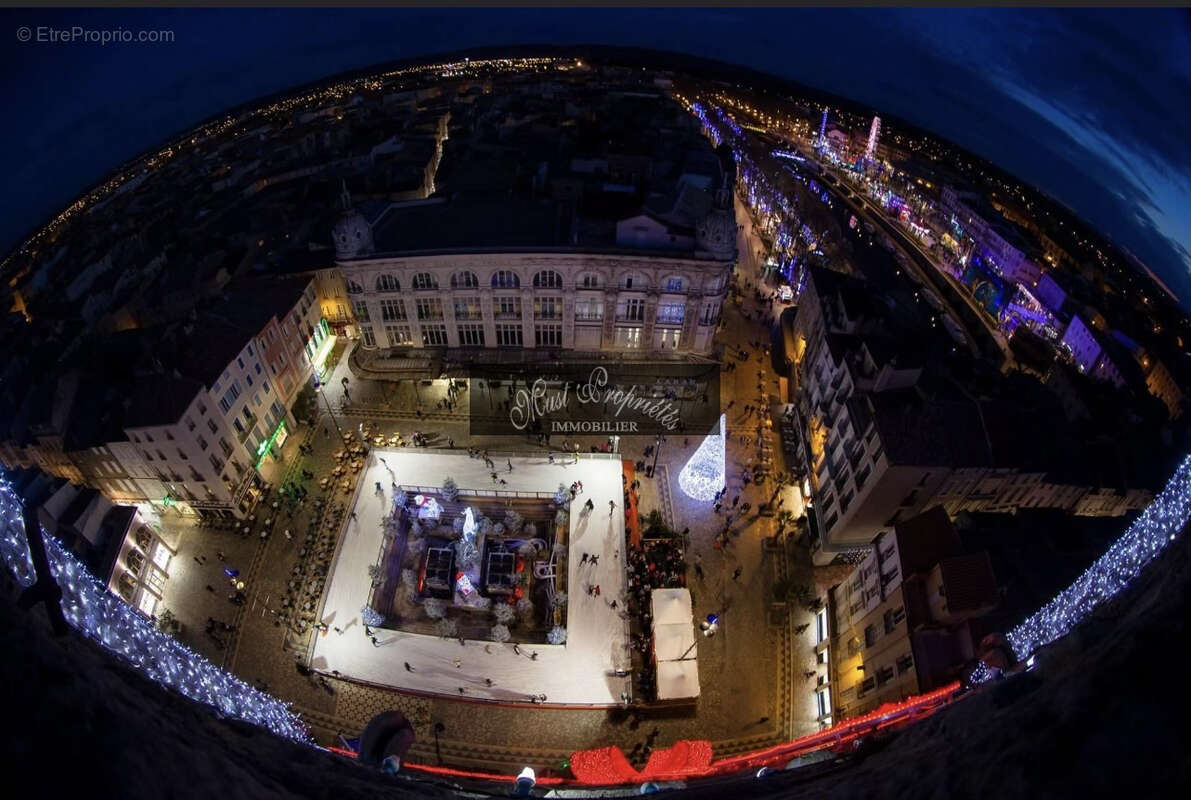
(473, 274)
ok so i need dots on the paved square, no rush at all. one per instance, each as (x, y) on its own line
(577, 673)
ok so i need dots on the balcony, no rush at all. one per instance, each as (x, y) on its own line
(507, 315)
(547, 315)
(589, 316)
(631, 317)
(249, 424)
(464, 315)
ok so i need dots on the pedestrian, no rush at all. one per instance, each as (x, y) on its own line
(589, 506)
(487, 681)
(510, 463)
(551, 457)
(533, 656)
(736, 573)
(735, 500)
(408, 668)
(699, 571)
(375, 643)
(583, 560)
(597, 590)
(451, 443)
(196, 560)
(210, 588)
(595, 560)
(462, 690)
(611, 507)
(354, 516)
(459, 663)
(516, 649)
(580, 485)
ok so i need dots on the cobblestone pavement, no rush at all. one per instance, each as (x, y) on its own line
(752, 673)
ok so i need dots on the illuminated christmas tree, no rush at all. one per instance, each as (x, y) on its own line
(703, 475)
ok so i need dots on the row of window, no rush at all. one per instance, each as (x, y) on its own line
(631, 310)
(470, 335)
(507, 279)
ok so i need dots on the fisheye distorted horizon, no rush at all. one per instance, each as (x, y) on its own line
(1091, 107)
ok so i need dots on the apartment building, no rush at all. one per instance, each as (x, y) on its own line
(534, 293)
(898, 625)
(197, 405)
(120, 547)
(879, 440)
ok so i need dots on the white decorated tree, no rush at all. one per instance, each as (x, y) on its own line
(450, 490)
(503, 613)
(434, 608)
(499, 633)
(371, 617)
(525, 609)
(557, 635)
(559, 600)
(446, 628)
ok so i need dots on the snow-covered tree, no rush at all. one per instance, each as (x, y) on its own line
(503, 613)
(450, 490)
(499, 633)
(434, 608)
(446, 628)
(371, 617)
(557, 635)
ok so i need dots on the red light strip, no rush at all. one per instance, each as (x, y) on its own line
(907, 711)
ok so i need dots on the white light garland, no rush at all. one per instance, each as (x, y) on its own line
(702, 476)
(107, 619)
(1142, 542)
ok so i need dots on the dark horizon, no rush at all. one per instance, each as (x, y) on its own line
(1125, 174)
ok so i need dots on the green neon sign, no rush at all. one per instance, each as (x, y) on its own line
(264, 446)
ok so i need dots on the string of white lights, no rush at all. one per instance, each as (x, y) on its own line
(1142, 542)
(108, 620)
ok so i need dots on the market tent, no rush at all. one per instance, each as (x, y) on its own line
(670, 606)
(678, 679)
(671, 642)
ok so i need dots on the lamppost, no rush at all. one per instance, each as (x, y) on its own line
(438, 728)
(318, 387)
(656, 450)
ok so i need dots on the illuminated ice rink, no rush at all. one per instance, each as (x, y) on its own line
(579, 672)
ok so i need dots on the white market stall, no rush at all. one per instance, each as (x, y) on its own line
(674, 644)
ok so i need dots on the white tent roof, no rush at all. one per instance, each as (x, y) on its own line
(672, 641)
(677, 679)
(671, 606)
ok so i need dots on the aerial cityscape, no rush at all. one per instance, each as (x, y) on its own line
(589, 419)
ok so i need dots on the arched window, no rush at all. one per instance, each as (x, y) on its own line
(424, 280)
(464, 280)
(387, 283)
(633, 280)
(353, 287)
(547, 279)
(674, 283)
(590, 280)
(504, 279)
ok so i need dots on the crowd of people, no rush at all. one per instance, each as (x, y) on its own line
(656, 564)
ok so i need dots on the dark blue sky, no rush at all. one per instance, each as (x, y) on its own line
(1093, 107)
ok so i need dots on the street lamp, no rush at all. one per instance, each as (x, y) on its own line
(319, 388)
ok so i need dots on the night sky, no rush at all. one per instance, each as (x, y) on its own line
(1092, 107)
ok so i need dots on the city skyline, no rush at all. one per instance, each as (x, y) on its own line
(1096, 139)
